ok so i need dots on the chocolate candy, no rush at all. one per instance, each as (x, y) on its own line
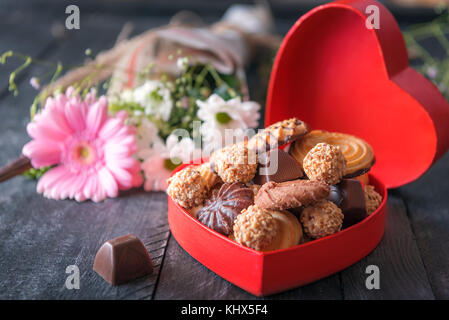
(349, 196)
(122, 259)
(220, 211)
(278, 166)
(335, 195)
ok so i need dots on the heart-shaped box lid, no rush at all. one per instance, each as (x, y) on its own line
(337, 74)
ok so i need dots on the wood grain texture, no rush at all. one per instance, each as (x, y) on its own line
(402, 274)
(41, 237)
(428, 210)
(198, 282)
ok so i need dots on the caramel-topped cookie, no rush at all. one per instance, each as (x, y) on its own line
(290, 194)
(358, 154)
(278, 134)
(209, 176)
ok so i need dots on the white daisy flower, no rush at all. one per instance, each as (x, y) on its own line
(218, 115)
(155, 98)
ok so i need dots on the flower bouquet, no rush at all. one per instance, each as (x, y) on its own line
(119, 122)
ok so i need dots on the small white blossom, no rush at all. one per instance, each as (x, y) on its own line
(432, 72)
(34, 82)
(182, 63)
(155, 98)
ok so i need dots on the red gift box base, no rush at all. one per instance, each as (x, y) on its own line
(264, 273)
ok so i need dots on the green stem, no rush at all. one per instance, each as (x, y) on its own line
(12, 76)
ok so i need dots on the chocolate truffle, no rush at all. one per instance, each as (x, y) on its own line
(122, 259)
(321, 219)
(225, 204)
(325, 163)
(278, 166)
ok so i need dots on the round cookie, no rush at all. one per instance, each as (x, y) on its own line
(358, 154)
(278, 134)
(187, 188)
(290, 194)
(322, 219)
(235, 163)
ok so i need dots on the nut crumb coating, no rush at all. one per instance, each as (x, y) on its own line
(235, 163)
(187, 188)
(255, 228)
(372, 199)
(325, 163)
(322, 219)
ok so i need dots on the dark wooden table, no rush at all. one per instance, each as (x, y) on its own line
(39, 238)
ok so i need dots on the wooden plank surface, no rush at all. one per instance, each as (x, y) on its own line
(402, 274)
(428, 211)
(41, 237)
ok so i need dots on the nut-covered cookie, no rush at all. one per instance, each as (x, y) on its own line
(235, 163)
(290, 194)
(277, 134)
(256, 228)
(266, 230)
(325, 163)
(225, 204)
(321, 219)
(187, 188)
(372, 199)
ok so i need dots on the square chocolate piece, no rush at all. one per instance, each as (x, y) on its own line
(123, 259)
(349, 196)
(278, 166)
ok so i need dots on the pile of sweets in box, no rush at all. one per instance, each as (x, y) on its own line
(269, 198)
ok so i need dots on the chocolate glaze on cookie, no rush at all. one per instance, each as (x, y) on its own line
(225, 204)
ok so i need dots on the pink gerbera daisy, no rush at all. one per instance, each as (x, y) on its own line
(92, 153)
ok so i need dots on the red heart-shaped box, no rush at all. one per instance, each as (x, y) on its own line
(336, 74)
